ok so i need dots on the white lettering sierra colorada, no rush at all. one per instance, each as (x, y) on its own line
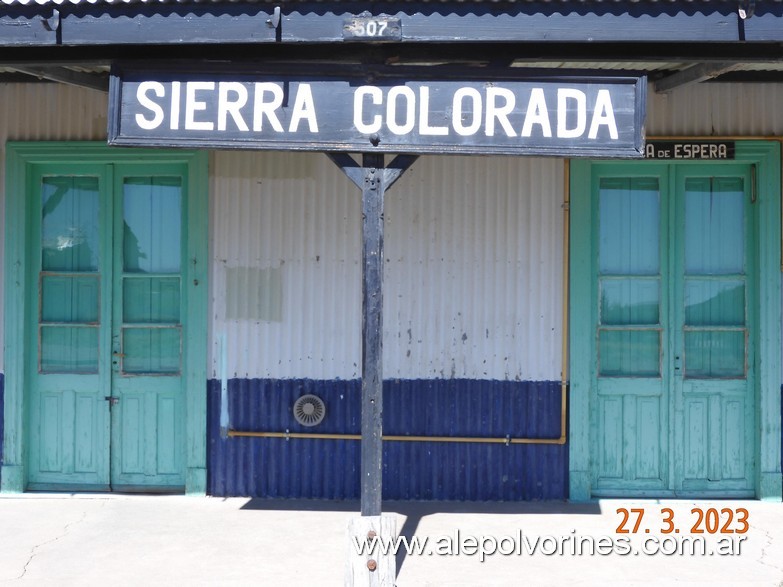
(274, 108)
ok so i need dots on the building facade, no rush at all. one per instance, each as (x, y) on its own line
(553, 328)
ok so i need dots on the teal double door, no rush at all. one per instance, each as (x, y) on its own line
(674, 284)
(104, 345)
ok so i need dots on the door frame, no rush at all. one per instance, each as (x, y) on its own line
(766, 155)
(20, 156)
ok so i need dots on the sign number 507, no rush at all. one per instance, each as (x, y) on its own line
(372, 27)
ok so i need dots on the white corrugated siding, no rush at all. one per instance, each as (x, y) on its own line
(472, 279)
(45, 112)
(716, 109)
(474, 259)
(296, 216)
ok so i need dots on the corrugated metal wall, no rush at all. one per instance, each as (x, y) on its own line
(473, 268)
(412, 470)
(717, 109)
(287, 224)
(45, 112)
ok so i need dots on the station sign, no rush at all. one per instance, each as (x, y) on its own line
(424, 110)
(690, 149)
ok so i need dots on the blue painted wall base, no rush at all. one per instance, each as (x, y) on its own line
(329, 469)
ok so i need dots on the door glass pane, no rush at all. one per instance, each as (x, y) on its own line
(714, 226)
(629, 226)
(151, 350)
(66, 298)
(69, 282)
(714, 302)
(629, 301)
(69, 224)
(152, 224)
(714, 239)
(151, 245)
(715, 353)
(629, 277)
(69, 349)
(151, 299)
(629, 353)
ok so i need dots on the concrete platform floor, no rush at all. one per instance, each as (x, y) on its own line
(54, 539)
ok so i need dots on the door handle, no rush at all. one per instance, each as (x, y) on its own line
(113, 401)
(677, 364)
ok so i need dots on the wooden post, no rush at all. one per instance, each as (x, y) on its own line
(373, 178)
(371, 567)
(372, 333)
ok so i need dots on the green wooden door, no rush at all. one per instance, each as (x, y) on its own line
(105, 362)
(714, 334)
(672, 395)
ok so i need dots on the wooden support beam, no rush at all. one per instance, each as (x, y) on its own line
(27, 27)
(399, 165)
(349, 167)
(308, 22)
(391, 173)
(372, 333)
(693, 75)
(543, 23)
(372, 568)
(63, 75)
(211, 23)
(373, 177)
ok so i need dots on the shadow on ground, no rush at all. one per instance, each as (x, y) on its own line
(414, 511)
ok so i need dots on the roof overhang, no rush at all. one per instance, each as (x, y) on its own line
(97, 22)
(675, 42)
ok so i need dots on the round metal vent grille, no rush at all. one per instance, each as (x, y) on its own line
(309, 410)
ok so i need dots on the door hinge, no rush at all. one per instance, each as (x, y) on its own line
(113, 401)
(753, 188)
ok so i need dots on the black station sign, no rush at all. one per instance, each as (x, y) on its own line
(394, 110)
(689, 149)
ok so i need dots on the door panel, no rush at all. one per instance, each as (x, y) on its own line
(68, 375)
(108, 279)
(147, 330)
(672, 403)
(610, 410)
(697, 438)
(712, 322)
(630, 398)
(647, 450)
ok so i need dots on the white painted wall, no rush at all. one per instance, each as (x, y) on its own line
(473, 268)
